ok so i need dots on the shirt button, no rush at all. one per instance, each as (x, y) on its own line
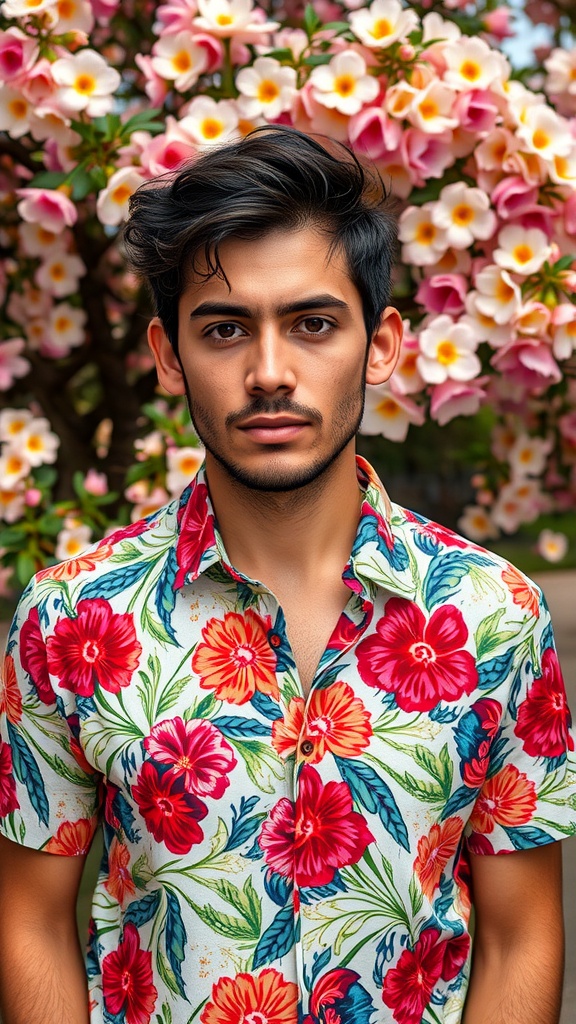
(306, 748)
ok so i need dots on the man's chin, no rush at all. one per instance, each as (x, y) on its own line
(275, 479)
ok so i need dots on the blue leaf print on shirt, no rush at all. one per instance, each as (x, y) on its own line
(278, 939)
(115, 582)
(166, 595)
(266, 706)
(367, 533)
(26, 771)
(369, 790)
(141, 911)
(243, 825)
(175, 939)
(278, 887)
(445, 574)
(493, 672)
(526, 836)
(236, 727)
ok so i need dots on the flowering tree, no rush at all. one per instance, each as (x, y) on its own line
(96, 96)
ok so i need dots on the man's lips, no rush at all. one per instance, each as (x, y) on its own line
(273, 429)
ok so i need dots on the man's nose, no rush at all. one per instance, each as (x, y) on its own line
(271, 363)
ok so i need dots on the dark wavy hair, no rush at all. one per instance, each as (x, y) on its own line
(275, 177)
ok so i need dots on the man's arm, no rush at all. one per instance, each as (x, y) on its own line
(42, 975)
(518, 953)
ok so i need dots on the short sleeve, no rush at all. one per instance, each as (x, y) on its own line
(529, 796)
(49, 794)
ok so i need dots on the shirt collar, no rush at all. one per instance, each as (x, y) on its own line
(379, 556)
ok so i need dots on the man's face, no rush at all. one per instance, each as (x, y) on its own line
(274, 365)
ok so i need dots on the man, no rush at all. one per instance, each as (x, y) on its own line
(309, 719)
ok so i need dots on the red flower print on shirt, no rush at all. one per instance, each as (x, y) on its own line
(408, 986)
(8, 798)
(196, 533)
(10, 696)
(171, 814)
(327, 994)
(320, 835)
(73, 838)
(236, 659)
(119, 882)
(266, 998)
(127, 984)
(336, 721)
(98, 647)
(544, 717)
(33, 657)
(508, 799)
(421, 662)
(195, 750)
(434, 852)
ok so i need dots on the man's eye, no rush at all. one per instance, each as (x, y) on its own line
(224, 332)
(316, 325)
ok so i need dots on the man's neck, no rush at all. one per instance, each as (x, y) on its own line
(304, 534)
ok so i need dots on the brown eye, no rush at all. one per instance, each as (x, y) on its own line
(226, 330)
(314, 324)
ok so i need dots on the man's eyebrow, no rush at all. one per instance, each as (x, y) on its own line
(324, 301)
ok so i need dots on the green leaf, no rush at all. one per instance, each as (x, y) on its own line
(487, 636)
(262, 764)
(77, 778)
(311, 21)
(142, 121)
(428, 792)
(317, 59)
(45, 476)
(225, 924)
(440, 768)
(166, 973)
(283, 53)
(336, 26)
(80, 181)
(153, 626)
(47, 179)
(201, 709)
(245, 901)
(564, 263)
(416, 897)
(171, 694)
(12, 537)
(25, 568)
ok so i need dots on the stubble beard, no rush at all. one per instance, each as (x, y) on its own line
(274, 478)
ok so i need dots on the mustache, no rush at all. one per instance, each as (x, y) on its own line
(262, 406)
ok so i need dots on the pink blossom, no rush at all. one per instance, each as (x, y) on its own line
(104, 9)
(443, 293)
(528, 361)
(32, 497)
(373, 133)
(428, 156)
(567, 424)
(18, 53)
(497, 23)
(174, 16)
(51, 209)
(457, 398)
(570, 214)
(95, 483)
(166, 152)
(155, 87)
(514, 196)
(12, 365)
(476, 111)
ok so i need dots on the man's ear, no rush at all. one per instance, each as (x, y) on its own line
(167, 363)
(385, 347)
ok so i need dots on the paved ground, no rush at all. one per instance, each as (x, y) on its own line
(560, 591)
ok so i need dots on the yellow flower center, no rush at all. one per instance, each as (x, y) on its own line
(504, 291)
(425, 233)
(18, 108)
(120, 194)
(429, 109)
(16, 426)
(14, 464)
(540, 140)
(470, 70)
(73, 547)
(57, 272)
(224, 19)
(382, 28)
(62, 323)
(188, 465)
(344, 85)
(462, 214)
(409, 365)
(182, 61)
(66, 8)
(523, 253)
(85, 84)
(34, 443)
(45, 237)
(388, 408)
(33, 3)
(268, 91)
(211, 128)
(446, 353)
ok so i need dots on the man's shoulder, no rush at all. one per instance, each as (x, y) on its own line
(434, 542)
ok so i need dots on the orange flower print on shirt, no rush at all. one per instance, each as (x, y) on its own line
(119, 882)
(236, 659)
(336, 722)
(524, 593)
(264, 999)
(72, 567)
(10, 696)
(508, 799)
(73, 838)
(434, 852)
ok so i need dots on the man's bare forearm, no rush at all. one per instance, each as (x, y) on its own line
(515, 988)
(42, 980)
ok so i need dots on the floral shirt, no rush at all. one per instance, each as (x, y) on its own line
(271, 859)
